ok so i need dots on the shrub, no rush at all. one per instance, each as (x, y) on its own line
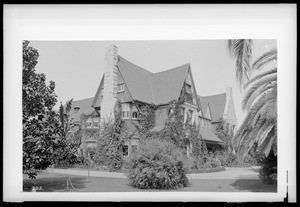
(158, 164)
(268, 171)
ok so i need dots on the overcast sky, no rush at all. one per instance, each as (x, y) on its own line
(77, 66)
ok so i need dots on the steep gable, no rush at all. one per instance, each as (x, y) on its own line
(217, 105)
(136, 80)
(167, 85)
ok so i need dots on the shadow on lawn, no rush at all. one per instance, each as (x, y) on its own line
(57, 184)
(254, 185)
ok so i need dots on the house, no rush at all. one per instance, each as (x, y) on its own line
(134, 87)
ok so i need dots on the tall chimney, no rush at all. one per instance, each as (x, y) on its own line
(110, 84)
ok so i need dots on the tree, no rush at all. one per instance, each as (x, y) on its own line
(65, 121)
(225, 134)
(259, 128)
(241, 51)
(260, 101)
(40, 123)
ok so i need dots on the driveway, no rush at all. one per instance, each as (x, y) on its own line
(229, 173)
(230, 180)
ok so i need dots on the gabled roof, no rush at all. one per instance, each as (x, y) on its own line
(84, 107)
(167, 85)
(137, 80)
(208, 135)
(154, 88)
(216, 104)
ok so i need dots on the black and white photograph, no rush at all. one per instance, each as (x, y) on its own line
(189, 118)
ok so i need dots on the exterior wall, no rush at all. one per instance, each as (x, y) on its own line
(110, 84)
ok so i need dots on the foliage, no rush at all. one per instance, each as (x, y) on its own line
(146, 121)
(158, 164)
(65, 121)
(268, 171)
(66, 153)
(223, 132)
(110, 143)
(175, 130)
(40, 124)
(241, 52)
(260, 125)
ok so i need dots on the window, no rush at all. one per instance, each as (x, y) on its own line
(188, 88)
(88, 124)
(134, 115)
(76, 109)
(134, 149)
(125, 110)
(125, 114)
(191, 116)
(121, 87)
(96, 123)
(182, 111)
(125, 150)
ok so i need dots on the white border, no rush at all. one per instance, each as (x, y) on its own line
(155, 22)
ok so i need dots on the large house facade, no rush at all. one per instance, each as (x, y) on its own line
(134, 87)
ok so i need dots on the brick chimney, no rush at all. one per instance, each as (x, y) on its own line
(110, 84)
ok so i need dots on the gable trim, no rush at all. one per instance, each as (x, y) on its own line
(195, 92)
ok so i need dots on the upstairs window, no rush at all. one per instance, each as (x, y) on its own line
(96, 123)
(125, 111)
(125, 114)
(121, 88)
(188, 88)
(134, 115)
(134, 112)
(76, 109)
(88, 124)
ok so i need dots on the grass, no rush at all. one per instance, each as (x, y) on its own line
(53, 182)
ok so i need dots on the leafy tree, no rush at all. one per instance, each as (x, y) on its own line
(40, 123)
(65, 121)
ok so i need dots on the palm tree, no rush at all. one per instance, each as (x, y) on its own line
(241, 51)
(260, 101)
(260, 124)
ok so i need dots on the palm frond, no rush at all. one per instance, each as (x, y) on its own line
(241, 51)
(264, 59)
(259, 88)
(260, 76)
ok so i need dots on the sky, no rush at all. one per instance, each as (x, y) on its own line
(77, 66)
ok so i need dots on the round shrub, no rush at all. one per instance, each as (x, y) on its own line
(158, 164)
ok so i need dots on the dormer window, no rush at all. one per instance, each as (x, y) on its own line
(121, 88)
(76, 109)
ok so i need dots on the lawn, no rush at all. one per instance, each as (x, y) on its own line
(53, 182)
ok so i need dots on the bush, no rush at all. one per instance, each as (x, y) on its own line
(158, 164)
(268, 171)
